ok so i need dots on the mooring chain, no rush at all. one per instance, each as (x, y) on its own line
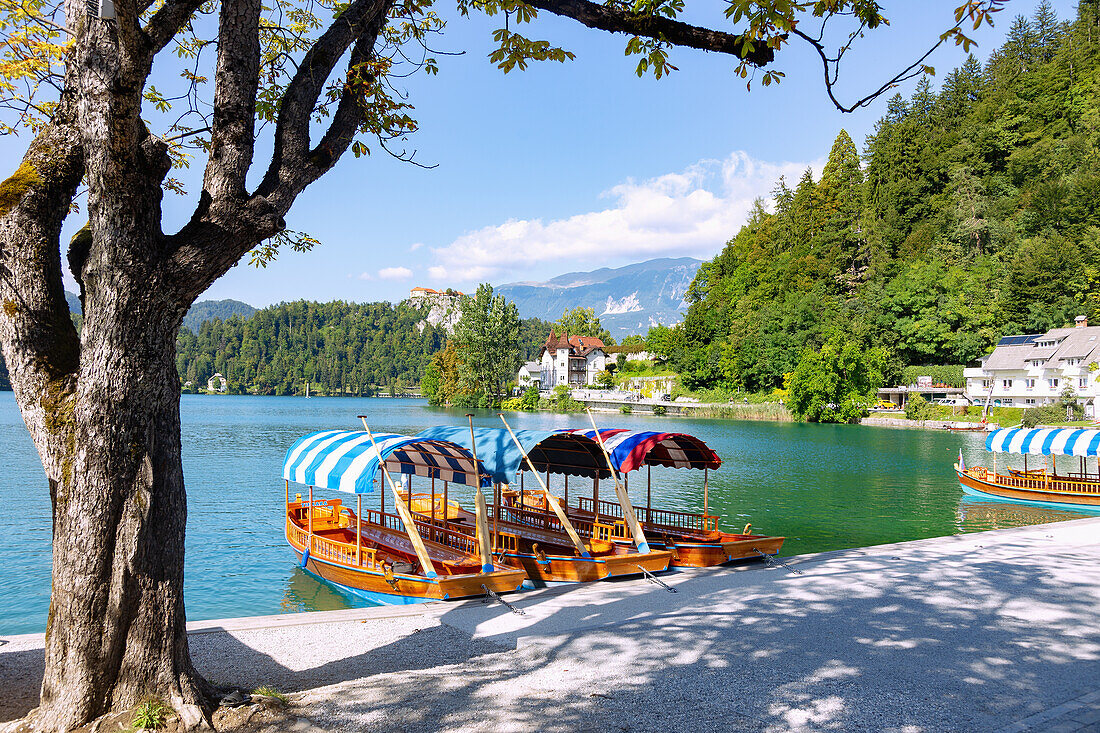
(491, 595)
(774, 561)
(654, 579)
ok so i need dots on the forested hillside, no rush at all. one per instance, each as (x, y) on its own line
(975, 213)
(204, 310)
(340, 348)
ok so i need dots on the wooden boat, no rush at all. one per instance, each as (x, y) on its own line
(382, 565)
(373, 553)
(537, 541)
(693, 538)
(1040, 485)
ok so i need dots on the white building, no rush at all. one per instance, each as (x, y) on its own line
(530, 373)
(1033, 369)
(571, 360)
(216, 383)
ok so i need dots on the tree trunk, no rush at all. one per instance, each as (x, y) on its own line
(119, 519)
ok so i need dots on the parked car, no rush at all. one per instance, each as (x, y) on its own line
(666, 398)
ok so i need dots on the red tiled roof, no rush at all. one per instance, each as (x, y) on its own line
(578, 346)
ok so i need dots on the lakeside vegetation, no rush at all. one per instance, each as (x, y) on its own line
(975, 213)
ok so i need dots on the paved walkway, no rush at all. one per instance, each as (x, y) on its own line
(996, 631)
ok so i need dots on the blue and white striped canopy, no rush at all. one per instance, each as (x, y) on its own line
(1045, 441)
(345, 460)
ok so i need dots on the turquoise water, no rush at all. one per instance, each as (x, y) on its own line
(823, 486)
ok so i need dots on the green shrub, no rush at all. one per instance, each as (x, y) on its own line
(660, 410)
(531, 398)
(917, 408)
(626, 409)
(1047, 415)
(561, 400)
(514, 404)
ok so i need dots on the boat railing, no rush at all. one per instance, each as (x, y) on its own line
(1038, 482)
(423, 504)
(507, 542)
(445, 535)
(655, 518)
(341, 553)
(549, 521)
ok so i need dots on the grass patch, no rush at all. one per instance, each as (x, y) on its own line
(150, 715)
(760, 411)
(268, 691)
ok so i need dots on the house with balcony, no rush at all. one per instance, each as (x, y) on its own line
(1030, 370)
(571, 360)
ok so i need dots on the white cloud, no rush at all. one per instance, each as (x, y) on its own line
(395, 273)
(691, 213)
(415, 246)
(366, 276)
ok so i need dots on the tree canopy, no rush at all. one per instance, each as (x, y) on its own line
(583, 322)
(975, 213)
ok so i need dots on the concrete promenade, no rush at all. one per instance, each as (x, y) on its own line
(994, 631)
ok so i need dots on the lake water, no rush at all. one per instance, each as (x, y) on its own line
(824, 487)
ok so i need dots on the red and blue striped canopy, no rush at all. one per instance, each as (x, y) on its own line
(1045, 441)
(630, 450)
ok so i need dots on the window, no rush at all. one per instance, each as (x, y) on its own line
(1053, 383)
(1082, 383)
(986, 383)
(1006, 383)
(1030, 383)
(1006, 401)
(1029, 402)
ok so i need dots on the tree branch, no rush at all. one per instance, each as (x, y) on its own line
(616, 20)
(168, 21)
(291, 152)
(37, 336)
(236, 81)
(209, 245)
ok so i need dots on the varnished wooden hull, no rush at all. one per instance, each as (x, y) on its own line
(412, 588)
(702, 553)
(542, 569)
(1029, 489)
(368, 566)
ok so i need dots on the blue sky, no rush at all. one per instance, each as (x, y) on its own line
(572, 166)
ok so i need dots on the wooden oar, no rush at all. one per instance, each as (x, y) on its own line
(620, 490)
(403, 512)
(550, 498)
(480, 512)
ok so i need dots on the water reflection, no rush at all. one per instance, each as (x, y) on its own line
(976, 514)
(304, 592)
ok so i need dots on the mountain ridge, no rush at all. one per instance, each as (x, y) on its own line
(627, 300)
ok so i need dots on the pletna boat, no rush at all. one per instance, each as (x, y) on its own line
(693, 538)
(373, 553)
(549, 547)
(1044, 484)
